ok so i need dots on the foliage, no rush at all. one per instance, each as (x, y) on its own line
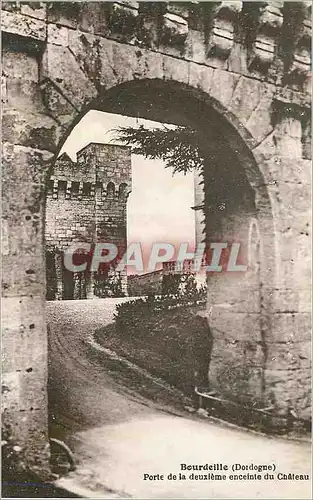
(168, 339)
(128, 314)
(164, 333)
(108, 285)
(183, 286)
(178, 148)
(171, 284)
(190, 287)
(181, 151)
(121, 21)
(184, 149)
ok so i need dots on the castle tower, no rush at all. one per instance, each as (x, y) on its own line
(200, 231)
(199, 214)
(86, 202)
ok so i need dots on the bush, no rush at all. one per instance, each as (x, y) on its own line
(108, 285)
(165, 335)
(128, 314)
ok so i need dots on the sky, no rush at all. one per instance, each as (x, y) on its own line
(159, 206)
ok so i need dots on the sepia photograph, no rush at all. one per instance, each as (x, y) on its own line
(156, 249)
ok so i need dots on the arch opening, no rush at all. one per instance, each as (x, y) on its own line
(236, 305)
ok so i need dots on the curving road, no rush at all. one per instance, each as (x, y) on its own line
(118, 435)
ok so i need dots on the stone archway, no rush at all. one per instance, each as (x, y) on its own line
(58, 64)
(238, 308)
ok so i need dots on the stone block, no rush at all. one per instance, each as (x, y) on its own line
(200, 77)
(57, 35)
(151, 64)
(23, 275)
(195, 46)
(24, 349)
(29, 130)
(288, 123)
(61, 67)
(289, 389)
(247, 96)
(19, 65)
(175, 69)
(38, 10)
(23, 26)
(23, 177)
(241, 300)
(285, 170)
(237, 60)
(23, 95)
(293, 272)
(29, 431)
(93, 18)
(222, 86)
(4, 90)
(94, 55)
(291, 300)
(259, 123)
(64, 14)
(107, 77)
(288, 146)
(235, 380)
(20, 233)
(129, 64)
(24, 390)
(294, 197)
(234, 326)
(288, 355)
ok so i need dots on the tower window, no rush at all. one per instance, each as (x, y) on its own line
(122, 190)
(86, 188)
(111, 189)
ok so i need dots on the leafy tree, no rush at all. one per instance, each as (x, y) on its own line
(179, 148)
(190, 286)
(184, 149)
(108, 284)
(171, 284)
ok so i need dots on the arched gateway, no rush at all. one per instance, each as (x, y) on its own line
(203, 66)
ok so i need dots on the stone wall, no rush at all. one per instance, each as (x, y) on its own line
(239, 69)
(24, 334)
(87, 201)
(145, 284)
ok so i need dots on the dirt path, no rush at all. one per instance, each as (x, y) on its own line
(118, 436)
(82, 393)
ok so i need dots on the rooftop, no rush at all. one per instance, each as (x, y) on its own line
(102, 144)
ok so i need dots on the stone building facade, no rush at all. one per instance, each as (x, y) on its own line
(86, 203)
(237, 72)
(153, 283)
(145, 284)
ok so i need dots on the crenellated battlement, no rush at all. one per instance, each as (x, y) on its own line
(57, 189)
(272, 38)
(87, 199)
(239, 73)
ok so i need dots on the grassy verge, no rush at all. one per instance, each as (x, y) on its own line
(171, 344)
